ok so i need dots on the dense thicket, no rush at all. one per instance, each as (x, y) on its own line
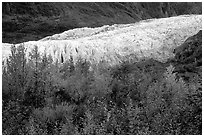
(40, 97)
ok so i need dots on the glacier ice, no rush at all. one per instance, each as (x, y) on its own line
(154, 38)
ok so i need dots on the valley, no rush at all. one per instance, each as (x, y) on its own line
(102, 68)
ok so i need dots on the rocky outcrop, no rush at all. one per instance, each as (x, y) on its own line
(155, 38)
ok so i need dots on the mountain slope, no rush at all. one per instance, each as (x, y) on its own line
(35, 20)
(188, 57)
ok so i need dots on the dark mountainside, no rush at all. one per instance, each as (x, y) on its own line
(35, 20)
(188, 57)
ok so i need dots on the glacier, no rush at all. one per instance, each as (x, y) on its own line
(152, 38)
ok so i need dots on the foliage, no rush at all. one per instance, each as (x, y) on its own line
(42, 97)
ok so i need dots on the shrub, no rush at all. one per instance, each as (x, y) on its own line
(40, 97)
(15, 74)
(52, 120)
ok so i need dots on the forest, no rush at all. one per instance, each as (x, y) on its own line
(145, 98)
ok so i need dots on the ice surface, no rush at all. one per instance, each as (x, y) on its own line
(154, 38)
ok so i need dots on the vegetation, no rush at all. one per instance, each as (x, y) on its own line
(42, 97)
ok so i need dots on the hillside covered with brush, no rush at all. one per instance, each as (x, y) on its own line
(34, 20)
